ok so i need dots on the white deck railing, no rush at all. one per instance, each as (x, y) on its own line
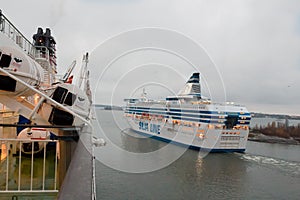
(13, 33)
(30, 173)
(35, 52)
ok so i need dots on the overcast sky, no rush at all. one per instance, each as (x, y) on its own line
(254, 44)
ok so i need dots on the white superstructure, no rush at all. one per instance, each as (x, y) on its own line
(29, 83)
(190, 120)
(44, 105)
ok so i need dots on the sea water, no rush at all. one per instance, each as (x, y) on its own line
(264, 171)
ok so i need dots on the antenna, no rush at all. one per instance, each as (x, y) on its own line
(83, 70)
(144, 94)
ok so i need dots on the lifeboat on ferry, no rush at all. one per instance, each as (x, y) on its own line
(19, 64)
(75, 99)
(33, 140)
(71, 97)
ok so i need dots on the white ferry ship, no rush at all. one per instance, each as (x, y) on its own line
(190, 120)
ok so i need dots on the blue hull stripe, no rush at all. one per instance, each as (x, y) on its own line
(193, 113)
(183, 114)
(190, 111)
(189, 146)
(180, 114)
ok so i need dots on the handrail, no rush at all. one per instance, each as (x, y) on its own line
(94, 188)
(12, 32)
(25, 140)
(7, 152)
(41, 126)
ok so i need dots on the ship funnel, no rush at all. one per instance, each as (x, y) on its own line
(48, 32)
(40, 31)
(192, 86)
(38, 38)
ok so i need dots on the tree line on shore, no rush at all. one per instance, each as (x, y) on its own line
(279, 129)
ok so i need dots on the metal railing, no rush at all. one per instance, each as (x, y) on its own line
(33, 173)
(7, 28)
(40, 54)
(36, 52)
(94, 188)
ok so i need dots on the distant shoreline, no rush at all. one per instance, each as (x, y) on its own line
(254, 136)
(277, 116)
(259, 137)
(253, 114)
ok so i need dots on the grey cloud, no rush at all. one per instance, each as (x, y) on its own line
(255, 44)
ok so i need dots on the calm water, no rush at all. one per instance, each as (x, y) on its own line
(265, 171)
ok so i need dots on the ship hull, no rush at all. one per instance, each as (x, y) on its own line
(190, 120)
(192, 137)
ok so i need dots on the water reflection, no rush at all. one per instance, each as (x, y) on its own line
(199, 166)
(196, 176)
(133, 142)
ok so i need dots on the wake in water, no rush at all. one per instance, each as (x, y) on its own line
(290, 167)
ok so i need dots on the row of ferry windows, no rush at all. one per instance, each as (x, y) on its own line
(203, 117)
(142, 109)
(230, 138)
(191, 124)
(150, 110)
